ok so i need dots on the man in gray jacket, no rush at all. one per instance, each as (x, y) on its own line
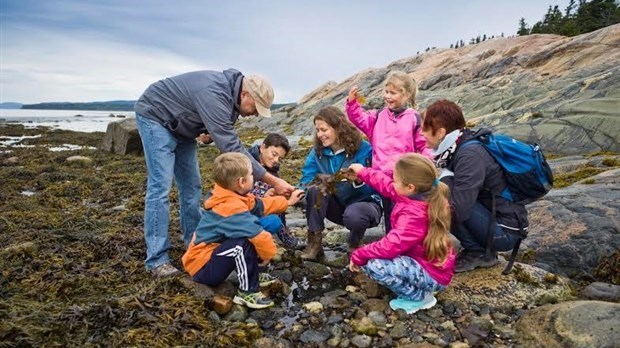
(170, 114)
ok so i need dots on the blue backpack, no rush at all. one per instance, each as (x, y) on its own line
(528, 176)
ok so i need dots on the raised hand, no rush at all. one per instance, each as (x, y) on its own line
(353, 93)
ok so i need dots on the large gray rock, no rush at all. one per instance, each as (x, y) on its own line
(122, 137)
(571, 324)
(573, 228)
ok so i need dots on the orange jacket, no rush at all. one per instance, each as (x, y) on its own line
(231, 215)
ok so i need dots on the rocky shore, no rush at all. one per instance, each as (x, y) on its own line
(72, 251)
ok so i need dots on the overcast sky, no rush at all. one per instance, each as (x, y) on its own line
(75, 50)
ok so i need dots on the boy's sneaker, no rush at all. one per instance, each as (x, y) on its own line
(288, 240)
(469, 260)
(254, 300)
(266, 279)
(165, 270)
(411, 306)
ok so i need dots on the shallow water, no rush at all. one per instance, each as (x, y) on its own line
(75, 120)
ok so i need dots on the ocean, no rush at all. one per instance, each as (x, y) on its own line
(75, 120)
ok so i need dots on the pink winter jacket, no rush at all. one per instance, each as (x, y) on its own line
(409, 228)
(390, 136)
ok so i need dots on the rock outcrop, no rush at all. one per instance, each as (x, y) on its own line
(571, 324)
(122, 137)
(573, 228)
(561, 92)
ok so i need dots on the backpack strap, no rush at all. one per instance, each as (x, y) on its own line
(492, 224)
(416, 129)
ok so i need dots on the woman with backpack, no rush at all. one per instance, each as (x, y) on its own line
(482, 220)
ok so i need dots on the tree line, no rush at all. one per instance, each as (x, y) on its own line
(577, 18)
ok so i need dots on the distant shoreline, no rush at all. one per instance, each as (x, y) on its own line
(117, 105)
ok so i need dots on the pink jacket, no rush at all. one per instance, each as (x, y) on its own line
(390, 136)
(409, 228)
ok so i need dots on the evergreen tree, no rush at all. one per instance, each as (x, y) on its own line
(451, 45)
(484, 37)
(595, 14)
(523, 29)
(569, 9)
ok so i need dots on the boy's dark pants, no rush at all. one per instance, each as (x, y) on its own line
(356, 217)
(232, 254)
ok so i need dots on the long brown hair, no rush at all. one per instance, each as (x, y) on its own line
(348, 136)
(416, 169)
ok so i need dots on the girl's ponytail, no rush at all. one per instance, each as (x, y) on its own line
(437, 242)
(418, 170)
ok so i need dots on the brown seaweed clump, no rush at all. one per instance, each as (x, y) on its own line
(72, 251)
(327, 183)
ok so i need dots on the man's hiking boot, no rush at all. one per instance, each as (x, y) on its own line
(411, 306)
(289, 241)
(255, 300)
(315, 246)
(165, 270)
(266, 279)
(469, 260)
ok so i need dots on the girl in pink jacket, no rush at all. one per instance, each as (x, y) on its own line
(416, 258)
(393, 131)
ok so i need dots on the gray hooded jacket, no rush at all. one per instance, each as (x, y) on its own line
(199, 102)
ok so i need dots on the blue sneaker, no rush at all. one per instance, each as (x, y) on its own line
(412, 306)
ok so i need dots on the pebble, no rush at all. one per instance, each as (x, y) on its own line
(361, 341)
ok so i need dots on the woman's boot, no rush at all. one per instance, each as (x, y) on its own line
(315, 246)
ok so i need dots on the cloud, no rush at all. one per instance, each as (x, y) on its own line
(78, 50)
(51, 66)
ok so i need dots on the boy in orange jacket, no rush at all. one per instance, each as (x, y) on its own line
(229, 235)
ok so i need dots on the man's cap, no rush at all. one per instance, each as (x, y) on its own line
(262, 93)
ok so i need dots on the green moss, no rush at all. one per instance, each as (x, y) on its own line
(601, 153)
(550, 156)
(608, 269)
(551, 278)
(589, 182)
(522, 276)
(529, 256)
(611, 162)
(567, 179)
(537, 114)
(250, 135)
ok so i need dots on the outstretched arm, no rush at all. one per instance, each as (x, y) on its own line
(376, 179)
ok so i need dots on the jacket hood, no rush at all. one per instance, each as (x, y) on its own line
(228, 201)
(234, 77)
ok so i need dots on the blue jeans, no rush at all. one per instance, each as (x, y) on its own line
(473, 233)
(271, 223)
(167, 157)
